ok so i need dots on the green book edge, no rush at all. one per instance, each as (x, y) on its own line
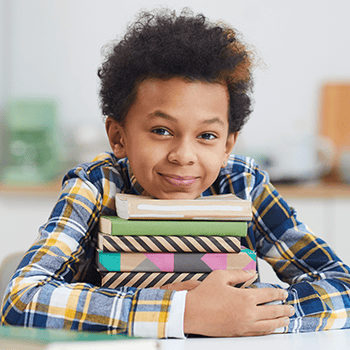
(121, 227)
(45, 336)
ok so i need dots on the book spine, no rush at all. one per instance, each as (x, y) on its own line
(201, 210)
(122, 207)
(175, 262)
(169, 244)
(120, 227)
(155, 279)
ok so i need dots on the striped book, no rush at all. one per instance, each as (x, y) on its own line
(115, 226)
(170, 244)
(175, 262)
(154, 279)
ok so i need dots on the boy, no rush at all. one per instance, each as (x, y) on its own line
(175, 92)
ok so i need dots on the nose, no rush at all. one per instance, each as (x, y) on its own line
(182, 153)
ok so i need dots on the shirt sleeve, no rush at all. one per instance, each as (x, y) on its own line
(319, 281)
(51, 287)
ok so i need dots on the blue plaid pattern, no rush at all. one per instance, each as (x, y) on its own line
(54, 286)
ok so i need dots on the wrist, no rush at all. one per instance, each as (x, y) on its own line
(192, 317)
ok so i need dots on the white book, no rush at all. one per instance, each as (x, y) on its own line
(226, 207)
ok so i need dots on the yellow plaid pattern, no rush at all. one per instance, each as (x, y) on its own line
(56, 286)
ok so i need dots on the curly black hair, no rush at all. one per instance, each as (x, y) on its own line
(163, 45)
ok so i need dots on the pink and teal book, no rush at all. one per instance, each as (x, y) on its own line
(175, 262)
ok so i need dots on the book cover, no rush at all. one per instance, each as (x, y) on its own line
(170, 244)
(15, 337)
(175, 262)
(115, 226)
(220, 207)
(155, 279)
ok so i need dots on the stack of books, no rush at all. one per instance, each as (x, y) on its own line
(154, 242)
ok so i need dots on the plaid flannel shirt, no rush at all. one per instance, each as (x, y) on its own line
(55, 285)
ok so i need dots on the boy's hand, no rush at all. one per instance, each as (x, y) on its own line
(215, 308)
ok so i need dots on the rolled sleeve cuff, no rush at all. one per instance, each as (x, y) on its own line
(175, 324)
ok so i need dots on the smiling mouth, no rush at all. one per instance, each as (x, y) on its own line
(180, 181)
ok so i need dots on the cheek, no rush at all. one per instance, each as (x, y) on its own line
(213, 172)
(213, 163)
(214, 156)
(144, 145)
(144, 157)
(154, 151)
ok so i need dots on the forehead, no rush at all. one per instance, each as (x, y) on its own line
(180, 95)
(174, 84)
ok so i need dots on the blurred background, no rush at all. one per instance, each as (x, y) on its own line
(50, 118)
(50, 52)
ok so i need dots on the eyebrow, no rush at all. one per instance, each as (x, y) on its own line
(160, 114)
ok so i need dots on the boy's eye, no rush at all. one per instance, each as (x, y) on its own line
(208, 136)
(161, 131)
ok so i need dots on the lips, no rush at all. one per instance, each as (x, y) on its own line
(180, 181)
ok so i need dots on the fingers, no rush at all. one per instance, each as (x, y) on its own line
(270, 312)
(186, 285)
(272, 318)
(269, 295)
(215, 308)
(269, 326)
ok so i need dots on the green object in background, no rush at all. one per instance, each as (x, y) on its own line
(32, 154)
(16, 337)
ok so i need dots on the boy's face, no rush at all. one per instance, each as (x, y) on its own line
(175, 136)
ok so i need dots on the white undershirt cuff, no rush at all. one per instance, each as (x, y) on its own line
(175, 324)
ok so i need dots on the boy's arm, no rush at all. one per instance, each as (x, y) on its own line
(215, 308)
(48, 288)
(320, 281)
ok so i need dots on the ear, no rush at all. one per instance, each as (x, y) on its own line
(116, 137)
(230, 142)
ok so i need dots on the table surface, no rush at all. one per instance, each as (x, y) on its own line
(297, 341)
